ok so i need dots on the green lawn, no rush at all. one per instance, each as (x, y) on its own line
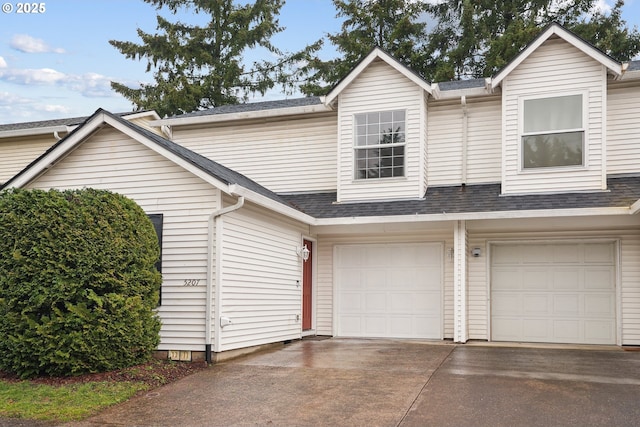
(70, 402)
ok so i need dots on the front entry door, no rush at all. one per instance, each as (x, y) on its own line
(307, 278)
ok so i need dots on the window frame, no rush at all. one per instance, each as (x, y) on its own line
(583, 129)
(393, 145)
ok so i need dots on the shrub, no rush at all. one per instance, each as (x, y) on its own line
(78, 285)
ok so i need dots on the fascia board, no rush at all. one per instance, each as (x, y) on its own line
(457, 93)
(36, 131)
(259, 199)
(247, 115)
(541, 213)
(630, 75)
(575, 41)
(58, 152)
(635, 208)
(140, 114)
(376, 54)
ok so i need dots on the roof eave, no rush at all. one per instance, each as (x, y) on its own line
(247, 115)
(16, 133)
(467, 216)
(272, 205)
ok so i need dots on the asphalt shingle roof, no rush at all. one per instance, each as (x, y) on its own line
(254, 106)
(214, 169)
(461, 84)
(623, 191)
(72, 121)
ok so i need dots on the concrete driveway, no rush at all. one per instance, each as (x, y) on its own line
(349, 382)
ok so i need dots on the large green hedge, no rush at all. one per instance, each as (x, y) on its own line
(78, 285)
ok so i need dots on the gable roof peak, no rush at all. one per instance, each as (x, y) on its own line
(376, 54)
(554, 29)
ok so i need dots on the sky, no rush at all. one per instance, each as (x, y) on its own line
(58, 62)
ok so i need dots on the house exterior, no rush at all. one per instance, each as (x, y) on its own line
(498, 209)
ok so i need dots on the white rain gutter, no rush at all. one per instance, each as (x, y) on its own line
(36, 131)
(246, 115)
(635, 208)
(209, 293)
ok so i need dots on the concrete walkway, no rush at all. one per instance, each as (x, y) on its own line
(348, 382)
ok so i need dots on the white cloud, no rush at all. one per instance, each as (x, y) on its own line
(91, 85)
(602, 6)
(27, 44)
(3, 63)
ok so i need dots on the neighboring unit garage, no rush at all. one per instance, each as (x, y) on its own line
(389, 290)
(554, 292)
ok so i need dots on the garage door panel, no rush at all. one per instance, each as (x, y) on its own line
(506, 304)
(599, 278)
(535, 304)
(600, 331)
(374, 278)
(351, 302)
(352, 279)
(569, 299)
(399, 292)
(535, 279)
(375, 302)
(564, 254)
(508, 328)
(597, 253)
(567, 279)
(566, 305)
(599, 305)
(506, 278)
(566, 330)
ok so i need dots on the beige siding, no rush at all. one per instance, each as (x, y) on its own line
(286, 156)
(325, 285)
(623, 129)
(630, 288)
(112, 161)
(445, 142)
(380, 88)
(477, 287)
(555, 68)
(261, 279)
(18, 153)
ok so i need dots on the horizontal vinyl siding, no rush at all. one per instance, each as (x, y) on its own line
(623, 129)
(477, 287)
(286, 156)
(484, 142)
(555, 68)
(112, 161)
(260, 278)
(630, 288)
(380, 88)
(18, 153)
(325, 285)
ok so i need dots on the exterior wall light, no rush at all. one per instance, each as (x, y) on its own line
(304, 253)
(476, 252)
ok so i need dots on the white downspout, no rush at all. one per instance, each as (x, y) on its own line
(463, 101)
(210, 253)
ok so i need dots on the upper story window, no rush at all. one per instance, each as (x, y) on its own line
(553, 132)
(379, 144)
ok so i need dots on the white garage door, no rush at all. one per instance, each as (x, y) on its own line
(392, 290)
(555, 293)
